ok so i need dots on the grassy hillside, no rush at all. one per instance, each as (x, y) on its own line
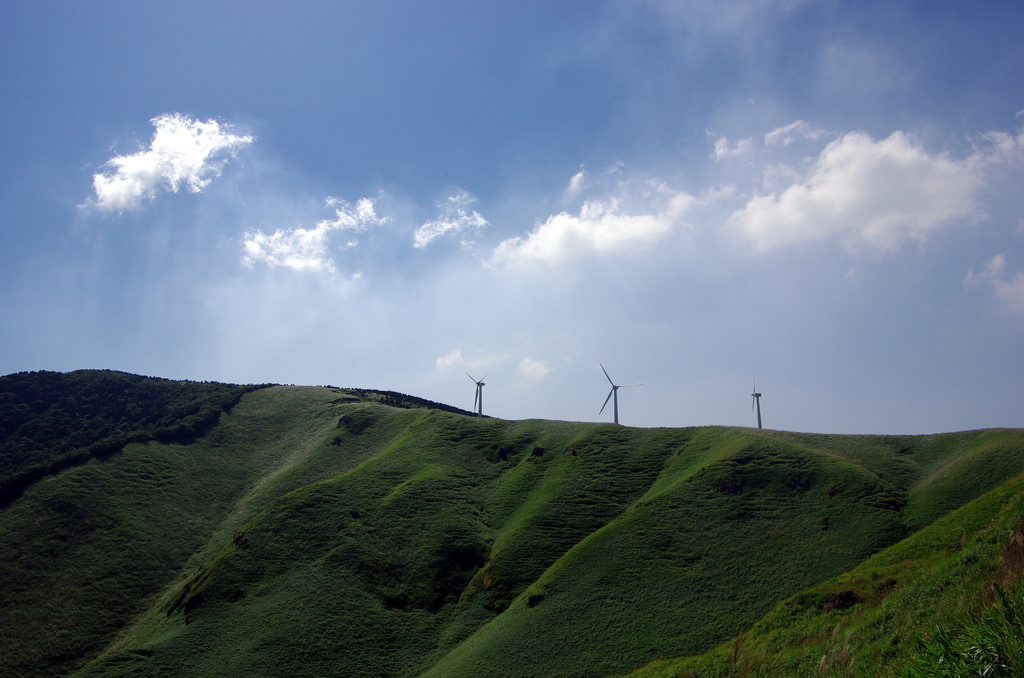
(82, 551)
(50, 421)
(884, 617)
(321, 531)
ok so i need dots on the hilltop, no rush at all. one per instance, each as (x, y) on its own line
(294, 531)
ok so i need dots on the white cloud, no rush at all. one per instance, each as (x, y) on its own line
(577, 183)
(599, 227)
(723, 150)
(1008, 289)
(1006, 147)
(301, 249)
(358, 218)
(873, 194)
(183, 152)
(455, 217)
(616, 168)
(783, 136)
(305, 249)
(533, 369)
(455, 358)
(446, 361)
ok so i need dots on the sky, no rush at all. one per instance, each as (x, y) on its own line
(822, 196)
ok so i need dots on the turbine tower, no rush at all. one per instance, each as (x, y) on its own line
(756, 400)
(613, 395)
(478, 399)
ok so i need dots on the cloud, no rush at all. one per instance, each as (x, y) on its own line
(183, 152)
(723, 150)
(577, 183)
(615, 169)
(446, 361)
(599, 227)
(301, 249)
(1006, 147)
(533, 369)
(455, 358)
(875, 195)
(783, 136)
(455, 217)
(305, 249)
(1008, 289)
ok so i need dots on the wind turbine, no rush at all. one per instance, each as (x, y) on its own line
(613, 395)
(478, 399)
(756, 400)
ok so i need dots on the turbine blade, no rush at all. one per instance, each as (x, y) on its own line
(625, 385)
(606, 401)
(606, 376)
(471, 377)
(487, 375)
(476, 398)
(752, 399)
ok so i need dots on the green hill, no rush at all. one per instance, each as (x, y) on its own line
(50, 421)
(322, 531)
(891, 614)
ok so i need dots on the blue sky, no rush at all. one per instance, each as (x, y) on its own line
(824, 196)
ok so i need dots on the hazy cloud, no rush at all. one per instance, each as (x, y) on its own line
(1006, 147)
(722, 150)
(183, 152)
(783, 136)
(577, 184)
(739, 18)
(533, 369)
(305, 249)
(1009, 289)
(456, 217)
(455, 358)
(873, 194)
(446, 361)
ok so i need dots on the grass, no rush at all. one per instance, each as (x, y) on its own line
(50, 421)
(903, 607)
(85, 550)
(320, 531)
(989, 644)
(685, 567)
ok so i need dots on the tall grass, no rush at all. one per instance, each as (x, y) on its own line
(990, 643)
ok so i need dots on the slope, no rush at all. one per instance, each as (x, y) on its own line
(484, 547)
(50, 421)
(83, 550)
(883, 617)
(322, 531)
(724, 533)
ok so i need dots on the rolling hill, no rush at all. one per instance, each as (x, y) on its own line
(311, 531)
